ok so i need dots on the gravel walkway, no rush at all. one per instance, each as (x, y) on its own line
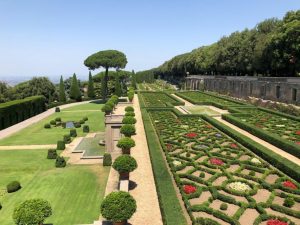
(148, 211)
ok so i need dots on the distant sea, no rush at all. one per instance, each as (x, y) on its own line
(14, 80)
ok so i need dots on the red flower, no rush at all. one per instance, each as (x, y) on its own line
(298, 132)
(191, 135)
(276, 222)
(289, 184)
(233, 145)
(168, 146)
(216, 161)
(188, 189)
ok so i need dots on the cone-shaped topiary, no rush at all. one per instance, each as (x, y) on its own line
(118, 207)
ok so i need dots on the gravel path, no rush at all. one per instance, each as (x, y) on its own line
(19, 126)
(148, 211)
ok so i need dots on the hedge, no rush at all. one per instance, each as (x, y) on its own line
(169, 204)
(274, 139)
(18, 110)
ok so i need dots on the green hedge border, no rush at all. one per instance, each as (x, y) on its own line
(168, 104)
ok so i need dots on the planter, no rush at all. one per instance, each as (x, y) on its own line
(124, 176)
(120, 223)
(126, 151)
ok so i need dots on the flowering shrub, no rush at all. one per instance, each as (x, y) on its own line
(255, 161)
(289, 184)
(298, 132)
(233, 145)
(216, 161)
(191, 135)
(276, 222)
(239, 186)
(189, 189)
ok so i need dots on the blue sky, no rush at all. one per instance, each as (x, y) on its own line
(53, 37)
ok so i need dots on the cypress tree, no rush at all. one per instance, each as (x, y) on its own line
(133, 79)
(103, 88)
(91, 91)
(118, 88)
(62, 92)
(74, 90)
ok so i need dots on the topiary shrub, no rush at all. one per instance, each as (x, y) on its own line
(61, 145)
(60, 162)
(67, 138)
(128, 130)
(52, 122)
(289, 202)
(58, 119)
(129, 120)
(13, 186)
(129, 114)
(107, 109)
(86, 129)
(130, 96)
(252, 173)
(81, 121)
(85, 118)
(73, 133)
(52, 154)
(57, 109)
(202, 175)
(0, 206)
(223, 206)
(118, 207)
(107, 161)
(129, 109)
(33, 211)
(63, 124)
(126, 144)
(124, 164)
(47, 126)
(77, 125)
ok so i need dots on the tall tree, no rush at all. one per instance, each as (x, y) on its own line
(75, 93)
(118, 88)
(91, 91)
(133, 80)
(62, 91)
(106, 59)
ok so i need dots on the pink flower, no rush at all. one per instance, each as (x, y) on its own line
(233, 145)
(168, 146)
(191, 135)
(216, 161)
(289, 184)
(297, 132)
(188, 189)
(276, 222)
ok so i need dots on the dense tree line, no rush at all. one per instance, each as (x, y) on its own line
(271, 48)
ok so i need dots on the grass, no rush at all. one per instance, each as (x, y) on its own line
(201, 110)
(37, 134)
(91, 146)
(74, 192)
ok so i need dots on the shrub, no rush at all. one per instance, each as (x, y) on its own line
(58, 119)
(188, 154)
(129, 114)
(205, 221)
(118, 206)
(130, 96)
(126, 144)
(60, 162)
(86, 129)
(52, 122)
(107, 159)
(129, 109)
(81, 121)
(223, 206)
(52, 154)
(107, 109)
(129, 120)
(33, 211)
(47, 126)
(57, 109)
(67, 138)
(128, 130)
(61, 145)
(125, 164)
(73, 133)
(63, 124)
(202, 175)
(289, 202)
(0, 206)
(252, 173)
(13, 186)
(77, 125)
(85, 118)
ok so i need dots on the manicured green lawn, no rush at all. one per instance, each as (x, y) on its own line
(74, 192)
(37, 134)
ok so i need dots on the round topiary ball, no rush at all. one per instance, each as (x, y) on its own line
(129, 109)
(13, 186)
(47, 126)
(125, 164)
(118, 206)
(126, 144)
(128, 130)
(129, 120)
(130, 114)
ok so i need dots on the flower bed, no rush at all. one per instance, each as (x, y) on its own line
(216, 161)
(289, 184)
(191, 135)
(189, 189)
(239, 186)
(276, 222)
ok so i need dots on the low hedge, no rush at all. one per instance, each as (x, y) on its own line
(61, 145)
(286, 166)
(107, 161)
(86, 129)
(60, 162)
(274, 139)
(13, 186)
(52, 154)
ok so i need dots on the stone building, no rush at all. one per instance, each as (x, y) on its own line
(281, 89)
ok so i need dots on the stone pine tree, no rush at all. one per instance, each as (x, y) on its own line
(62, 91)
(75, 93)
(133, 79)
(91, 91)
(106, 59)
(118, 88)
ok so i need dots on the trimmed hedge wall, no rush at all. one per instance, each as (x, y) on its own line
(274, 139)
(286, 166)
(18, 110)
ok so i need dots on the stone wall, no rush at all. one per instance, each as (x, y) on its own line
(281, 89)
